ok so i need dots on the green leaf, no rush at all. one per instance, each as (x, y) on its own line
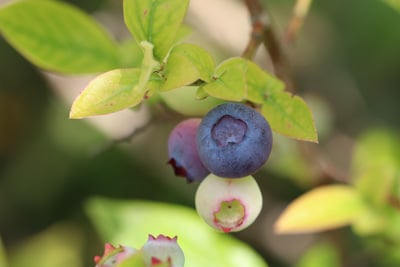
(238, 79)
(186, 64)
(155, 21)
(184, 101)
(58, 37)
(110, 92)
(182, 32)
(117, 89)
(289, 115)
(130, 222)
(322, 254)
(375, 167)
(320, 209)
(393, 3)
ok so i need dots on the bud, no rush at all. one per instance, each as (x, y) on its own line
(163, 249)
(113, 255)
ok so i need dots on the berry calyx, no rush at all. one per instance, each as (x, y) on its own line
(163, 249)
(113, 255)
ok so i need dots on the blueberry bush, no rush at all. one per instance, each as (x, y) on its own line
(241, 159)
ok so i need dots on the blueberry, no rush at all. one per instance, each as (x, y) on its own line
(228, 205)
(234, 140)
(183, 153)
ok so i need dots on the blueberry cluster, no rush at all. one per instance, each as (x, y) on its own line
(224, 149)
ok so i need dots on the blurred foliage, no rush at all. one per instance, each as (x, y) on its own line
(346, 59)
(129, 223)
(321, 254)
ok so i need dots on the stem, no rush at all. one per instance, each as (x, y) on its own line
(262, 32)
(300, 11)
(149, 64)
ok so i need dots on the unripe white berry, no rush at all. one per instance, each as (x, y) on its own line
(228, 205)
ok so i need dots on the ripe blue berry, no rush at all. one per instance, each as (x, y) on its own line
(183, 153)
(234, 140)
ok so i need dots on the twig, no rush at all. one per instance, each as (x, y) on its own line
(112, 143)
(300, 11)
(263, 33)
(160, 113)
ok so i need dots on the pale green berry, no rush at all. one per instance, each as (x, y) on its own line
(228, 205)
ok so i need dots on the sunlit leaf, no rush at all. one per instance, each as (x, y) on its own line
(186, 64)
(182, 32)
(157, 22)
(117, 89)
(130, 222)
(58, 37)
(320, 209)
(289, 115)
(394, 4)
(238, 79)
(110, 92)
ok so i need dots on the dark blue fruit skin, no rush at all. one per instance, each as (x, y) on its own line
(182, 151)
(234, 140)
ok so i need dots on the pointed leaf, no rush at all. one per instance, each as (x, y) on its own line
(110, 92)
(289, 115)
(58, 37)
(320, 209)
(129, 223)
(186, 64)
(238, 79)
(155, 21)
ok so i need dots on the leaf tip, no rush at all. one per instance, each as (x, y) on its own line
(75, 113)
(283, 226)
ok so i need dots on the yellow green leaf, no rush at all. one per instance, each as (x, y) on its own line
(157, 22)
(110, 92)
(238, 79)
(186, 64)
(289, 115)
(323, 208)
(57, 36)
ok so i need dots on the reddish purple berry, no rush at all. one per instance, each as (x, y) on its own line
(182, 150)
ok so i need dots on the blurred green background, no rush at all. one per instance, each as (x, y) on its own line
(346, 64)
